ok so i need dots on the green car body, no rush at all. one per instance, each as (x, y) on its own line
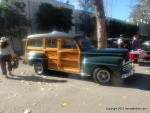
(114, 59)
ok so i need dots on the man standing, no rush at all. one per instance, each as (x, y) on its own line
(6, 55)
(135, 43)
(120, 41)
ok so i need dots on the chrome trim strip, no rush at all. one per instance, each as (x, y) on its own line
(102, 63)
(90, 53)
(59, 70)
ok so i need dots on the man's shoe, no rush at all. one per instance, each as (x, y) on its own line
(11, 74)
(6, 76)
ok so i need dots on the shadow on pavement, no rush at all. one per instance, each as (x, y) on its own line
(36, 79)
(139, 81)
(52, 73)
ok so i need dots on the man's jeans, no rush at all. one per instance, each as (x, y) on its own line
(5, 60)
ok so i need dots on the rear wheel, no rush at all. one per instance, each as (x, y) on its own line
(102, 75)
(39, 68)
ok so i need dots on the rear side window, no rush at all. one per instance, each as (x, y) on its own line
(35, 42)
(68, 44)
(51, 43)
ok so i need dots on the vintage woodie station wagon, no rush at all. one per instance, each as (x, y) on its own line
(75, 54)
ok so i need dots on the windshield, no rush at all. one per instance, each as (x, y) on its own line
(84, 42)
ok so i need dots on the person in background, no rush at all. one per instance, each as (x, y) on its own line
(120, 41)
(6, 55)
(135, 43)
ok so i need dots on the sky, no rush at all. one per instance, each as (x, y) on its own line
(119, 9)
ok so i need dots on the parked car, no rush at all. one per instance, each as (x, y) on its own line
(146, 48)
(112, 43)
(75, 54)
(141, 54)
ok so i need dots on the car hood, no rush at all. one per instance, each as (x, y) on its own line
(107, 52)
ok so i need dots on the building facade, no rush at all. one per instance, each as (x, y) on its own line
(32, 7)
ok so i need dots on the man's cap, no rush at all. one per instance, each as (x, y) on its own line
(3, 39)
(121, 35)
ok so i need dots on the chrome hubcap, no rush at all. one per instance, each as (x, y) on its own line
(39, 68)
(103, 76)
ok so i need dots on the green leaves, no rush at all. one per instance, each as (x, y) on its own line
(116, 27)
(50, 17)
(140, 11)
(88, 23)
(11, 17)
(86, 5)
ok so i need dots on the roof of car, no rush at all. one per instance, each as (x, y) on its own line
(51, 34)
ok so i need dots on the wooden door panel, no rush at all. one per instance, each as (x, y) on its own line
(71, 64)
(70, 60)
(52, 63)
(69, 55)
(52, 55)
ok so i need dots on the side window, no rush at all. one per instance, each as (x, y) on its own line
(51, 43)
(35, 42)
(68, 44)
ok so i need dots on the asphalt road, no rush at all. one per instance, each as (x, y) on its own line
(66, 93)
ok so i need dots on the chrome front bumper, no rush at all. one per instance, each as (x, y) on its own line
(127, 70)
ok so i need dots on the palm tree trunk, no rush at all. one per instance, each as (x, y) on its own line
(101, 24)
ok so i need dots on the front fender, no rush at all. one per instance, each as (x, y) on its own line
(113, 63)
(33, 57)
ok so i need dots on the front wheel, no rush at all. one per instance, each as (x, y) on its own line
(39, 68)
(102, 75)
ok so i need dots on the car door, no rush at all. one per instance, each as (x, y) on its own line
(69, 55)
(51, 51)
